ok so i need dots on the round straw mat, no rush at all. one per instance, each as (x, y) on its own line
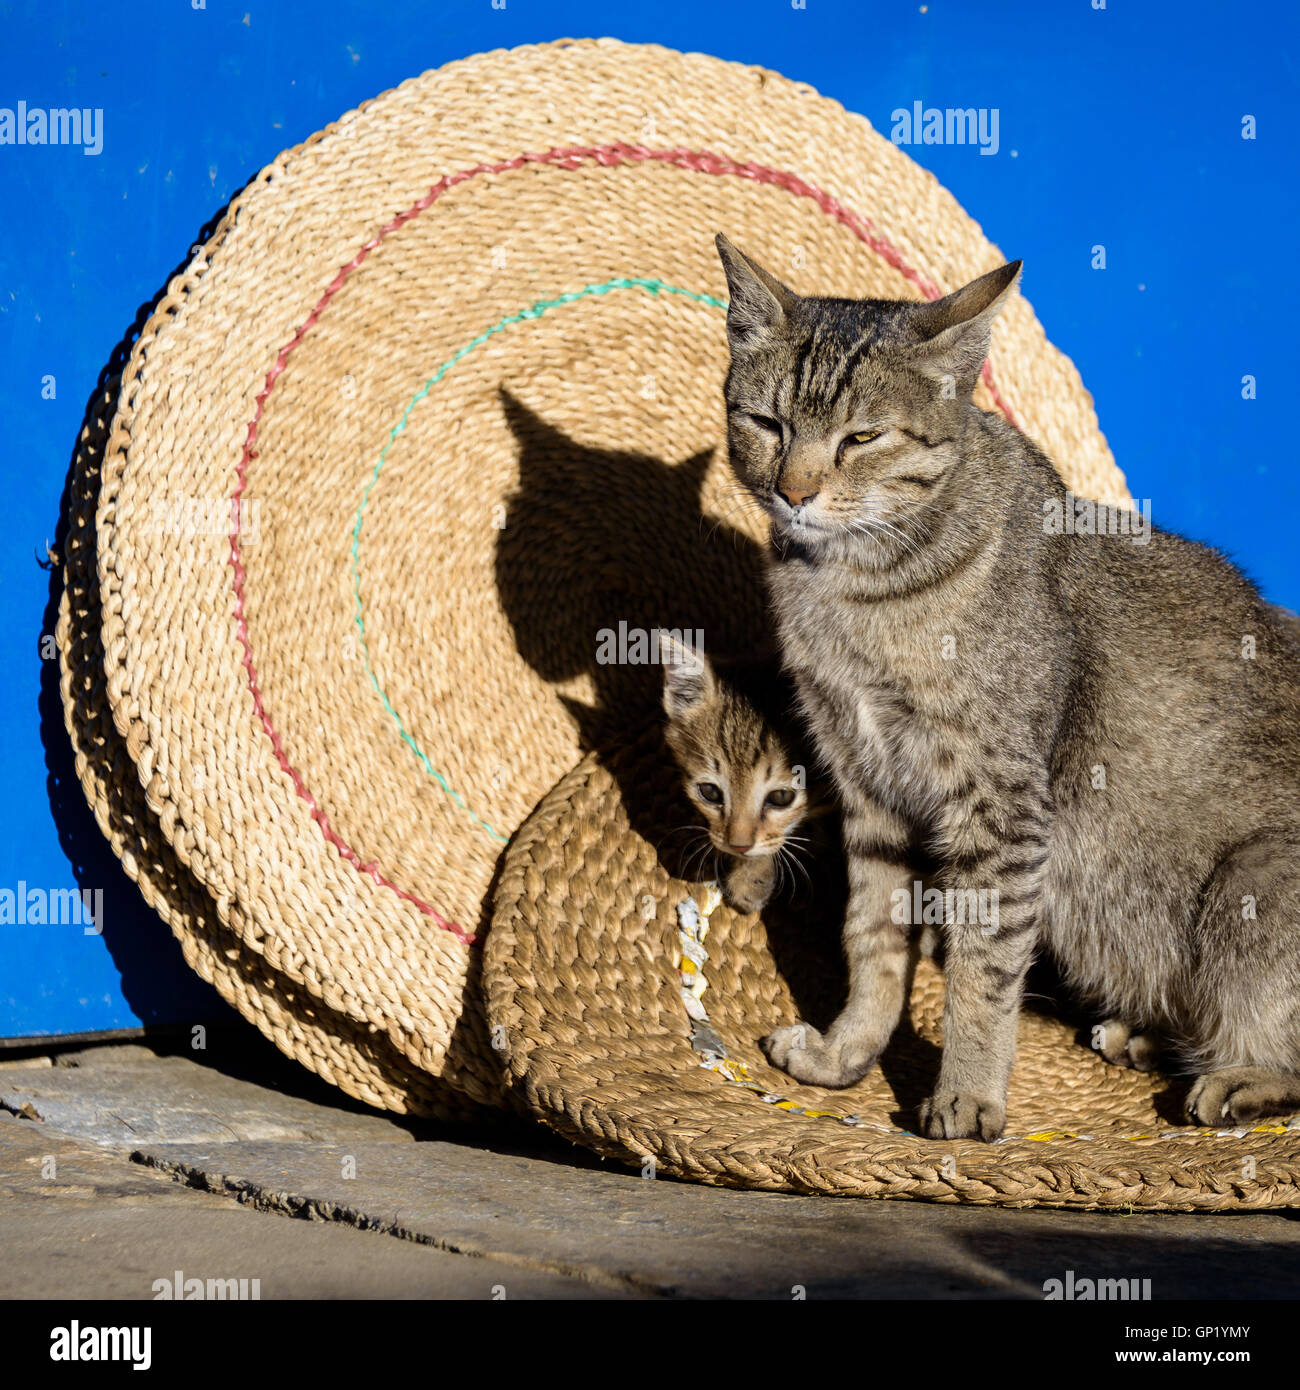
(584, 990)
(439, 401)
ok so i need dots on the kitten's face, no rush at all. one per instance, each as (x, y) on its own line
(844, 416)
(738, 771)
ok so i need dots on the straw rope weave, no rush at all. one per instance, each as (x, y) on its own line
(450, 375)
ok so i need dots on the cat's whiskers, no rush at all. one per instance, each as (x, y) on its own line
(912, 521)
(741, 503)
(865, 528)
(693, 850)
(689, 825)
(698, 856)
(876, 527)
(907, 541)
(915, 505)
(788, 861)
(779, 866)
(745, 500)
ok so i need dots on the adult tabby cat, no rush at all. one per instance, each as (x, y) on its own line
(1104, 733)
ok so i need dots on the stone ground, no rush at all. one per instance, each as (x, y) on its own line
(123, 1163)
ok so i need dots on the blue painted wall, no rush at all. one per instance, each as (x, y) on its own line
(1119, 127)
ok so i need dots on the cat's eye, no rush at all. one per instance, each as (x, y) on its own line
(781, 796)
(710, 792)
(766, 423)
(862, 437)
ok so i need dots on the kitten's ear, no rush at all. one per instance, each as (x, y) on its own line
(954, 331)
(760, 303)
(688, 676)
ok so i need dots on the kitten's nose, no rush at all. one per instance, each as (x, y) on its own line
(795, 497)
(742, 849)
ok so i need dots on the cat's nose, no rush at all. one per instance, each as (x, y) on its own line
(742, 849)
(796, 497)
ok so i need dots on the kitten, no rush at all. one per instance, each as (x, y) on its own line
(1104, 734)
(744, 768)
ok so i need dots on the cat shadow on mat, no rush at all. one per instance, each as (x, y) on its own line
(599, 550)
(617, 543)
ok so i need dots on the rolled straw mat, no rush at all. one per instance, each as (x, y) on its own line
(332, 1045)
(438, 401)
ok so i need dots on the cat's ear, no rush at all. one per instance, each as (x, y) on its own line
(760, 304)
(951, 335)
(688, 676)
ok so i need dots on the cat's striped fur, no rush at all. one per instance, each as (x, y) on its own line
(1075, 722)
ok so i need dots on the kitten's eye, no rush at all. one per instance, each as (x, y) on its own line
(782, 796)
(710, 792)
(861, 437)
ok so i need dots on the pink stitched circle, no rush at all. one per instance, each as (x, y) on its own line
(697, 161)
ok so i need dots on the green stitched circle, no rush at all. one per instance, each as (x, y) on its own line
(534, 311)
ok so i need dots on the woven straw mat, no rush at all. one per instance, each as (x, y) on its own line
(582, 986)
(440, 399)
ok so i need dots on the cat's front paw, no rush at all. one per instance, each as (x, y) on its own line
(749, 886)
(957, 1115)
(807, 1056)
